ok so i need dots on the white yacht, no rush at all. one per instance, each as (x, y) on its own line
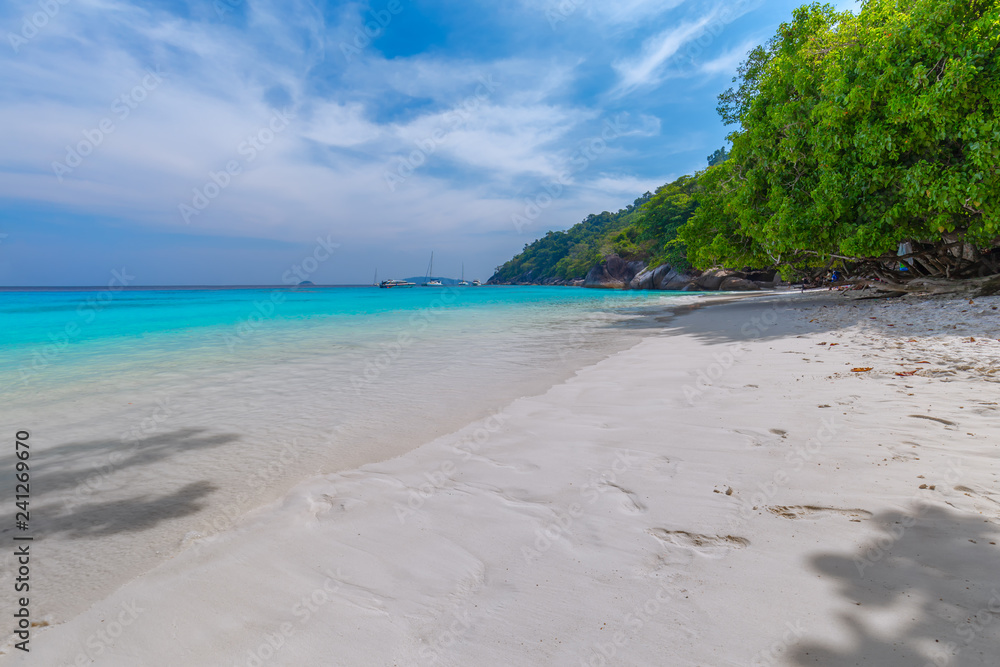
(389, 284)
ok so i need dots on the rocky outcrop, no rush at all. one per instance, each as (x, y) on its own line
(770, 276)
(676, 281)
(613, 273)
(712, 280)
(735, 284)
(667, 278)
(617, 273)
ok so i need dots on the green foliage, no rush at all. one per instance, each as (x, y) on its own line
(857, 132)
(718, 157)
(569, 254)
(661, 218)
(646, 231)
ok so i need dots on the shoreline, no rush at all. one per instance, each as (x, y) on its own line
(150, 452)
(701, 497)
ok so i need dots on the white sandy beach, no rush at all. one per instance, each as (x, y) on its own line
(726, 492)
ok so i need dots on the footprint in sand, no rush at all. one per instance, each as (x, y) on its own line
(981, 495)
(934, 419)
(761, 438)
(630, 503)
(323, 503)
(659, 466)
(710, 546)
(902, 455)
(811, 511)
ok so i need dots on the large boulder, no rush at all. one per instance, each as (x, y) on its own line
(613, 273)
(632, 269)
(734, 284)
(712, 280)
(643, 280)
(599, 277)
(676, 281)
(765, 279)
(768, 276)
(652, 279)
(658, 273)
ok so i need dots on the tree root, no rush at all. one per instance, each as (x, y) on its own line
(973, 287)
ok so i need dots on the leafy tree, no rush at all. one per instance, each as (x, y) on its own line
(857, 132)
(718, 157)
(663, 216)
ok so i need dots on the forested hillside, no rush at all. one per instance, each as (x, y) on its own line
(569, 254)
(645, 230)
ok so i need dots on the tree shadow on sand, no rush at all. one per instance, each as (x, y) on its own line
(761, 318)
(86, 466)
(942, 568)
(94, 488)
(129, 515)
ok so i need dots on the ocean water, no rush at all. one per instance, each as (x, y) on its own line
(159, 417)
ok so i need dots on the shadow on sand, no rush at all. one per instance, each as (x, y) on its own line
(940, 571)
(67, 483)
(741, 318)
(98, 519)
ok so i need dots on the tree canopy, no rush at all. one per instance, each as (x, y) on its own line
(855, 133)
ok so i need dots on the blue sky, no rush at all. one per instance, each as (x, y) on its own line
(227, 141)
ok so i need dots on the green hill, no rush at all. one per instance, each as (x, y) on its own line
(645, 230)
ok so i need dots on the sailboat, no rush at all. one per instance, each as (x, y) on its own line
(463, 283)
(375, 279)
(431, 282)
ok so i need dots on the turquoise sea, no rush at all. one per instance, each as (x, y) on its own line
(159, 417)
(49, 335)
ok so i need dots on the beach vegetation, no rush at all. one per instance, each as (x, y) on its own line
(859, 138)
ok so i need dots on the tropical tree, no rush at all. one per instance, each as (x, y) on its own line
(859, 133)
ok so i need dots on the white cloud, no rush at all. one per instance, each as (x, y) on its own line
(326, 171)
(620, 12)
(626, 185)
(646, 69)
(630, 11)
(728, 62)
(341, 125)
(649, 68)
(212, 98)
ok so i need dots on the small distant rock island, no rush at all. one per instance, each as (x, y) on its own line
(305, 283)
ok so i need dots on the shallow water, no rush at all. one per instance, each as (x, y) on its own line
(158, 417)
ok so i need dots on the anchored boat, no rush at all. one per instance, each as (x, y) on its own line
(388, 284)
(431, 282)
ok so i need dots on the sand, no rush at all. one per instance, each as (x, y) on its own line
(729, 491)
